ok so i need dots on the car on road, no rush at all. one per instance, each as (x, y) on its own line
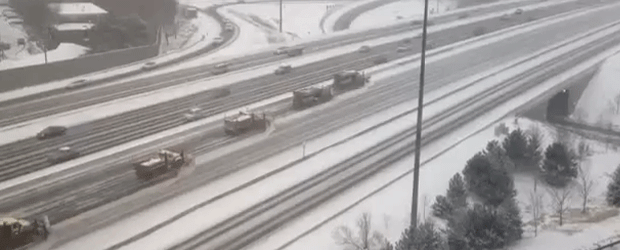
(283, 69)
(518, 11)
(364, 49)
(51, 131)
(295, 52)
(380, 60)
(62, 154)
(280, 51)
(218, 40)
(403, 48)
(194, 114)
(220, 69)
(229, 27)
(149, 66)
(78, 84)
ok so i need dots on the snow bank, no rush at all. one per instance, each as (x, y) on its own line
(600, 101)
(65, 51)
(404, 9)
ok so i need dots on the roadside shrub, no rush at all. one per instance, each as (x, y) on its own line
(559, 166)
(501, 129)
(613, 189)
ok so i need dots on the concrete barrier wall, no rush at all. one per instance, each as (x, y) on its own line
(36, 74)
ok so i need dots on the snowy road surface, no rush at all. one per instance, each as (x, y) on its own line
(186, 180)
(392, 188)
(94, 156)
(87, 114)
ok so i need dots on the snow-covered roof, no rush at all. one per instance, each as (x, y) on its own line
(73, 26)
(77, 9)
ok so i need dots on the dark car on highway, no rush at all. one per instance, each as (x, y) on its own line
(62, 154)
(51, 131)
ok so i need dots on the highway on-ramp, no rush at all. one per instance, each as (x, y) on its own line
(66, 199)
(29, 155)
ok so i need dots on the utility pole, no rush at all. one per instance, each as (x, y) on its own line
(281, 15)
(418, 136)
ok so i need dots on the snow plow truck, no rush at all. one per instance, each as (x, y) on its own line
(243, 122)
(311, 96)
(166, 162)
(19, 233)
(350, 79)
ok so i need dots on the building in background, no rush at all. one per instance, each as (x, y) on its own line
(77, 13)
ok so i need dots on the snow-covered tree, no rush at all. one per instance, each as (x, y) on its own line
(511, 217)
(537, 206)
(457, 192)
(613, 189)
(559, 166)
(498, 157)
(534, 148)
(491, 183)
(425, 237)
(560, 197)
(365, 239)
(442, 208)
(515, 145)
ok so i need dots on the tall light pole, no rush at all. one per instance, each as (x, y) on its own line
(281, 16)
(418, 135)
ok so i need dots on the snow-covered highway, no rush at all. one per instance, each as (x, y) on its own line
(169, 115)
(483, 58)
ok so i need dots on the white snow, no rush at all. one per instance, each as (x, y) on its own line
(10, 34)
(211, 214)
(404, 9)
(600, 101)
(74, 26)
(76, 8)
(383, 195)
(460, 47)
(65, 51)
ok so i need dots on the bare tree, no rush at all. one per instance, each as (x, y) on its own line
(365, 239)
(585, 186)
(614, 105)
(536, 202)
(560, 198)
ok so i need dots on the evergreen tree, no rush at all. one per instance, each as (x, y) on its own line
(613, 189)
(425, 237)
(457, 193)
(498, 157)
(515, 145)
(559, 166)
(511, 217)
(484, 227)
(490, 183)
(534, 151)
(442, 208)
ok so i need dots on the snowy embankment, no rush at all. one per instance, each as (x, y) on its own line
(259, 24)
(397, 11)
(599, 104)
(65, 51)
(208, 27)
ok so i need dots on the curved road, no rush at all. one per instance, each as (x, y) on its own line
(29, 155)
(66, 199)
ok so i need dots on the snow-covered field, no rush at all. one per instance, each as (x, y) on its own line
(600, 102)
(404, 9)
(65, 51)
